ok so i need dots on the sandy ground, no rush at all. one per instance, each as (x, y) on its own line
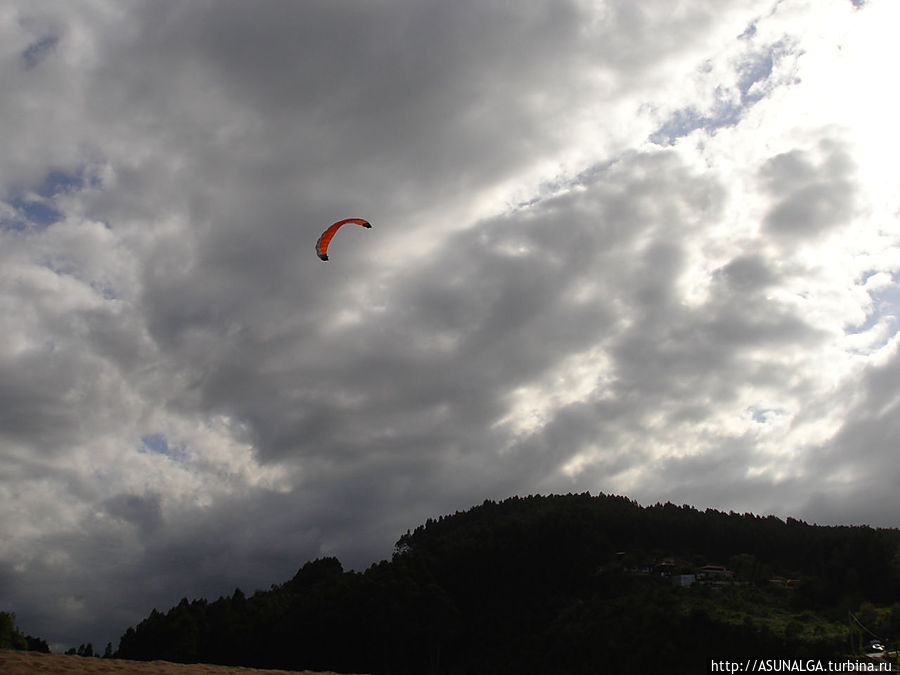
(28, 663)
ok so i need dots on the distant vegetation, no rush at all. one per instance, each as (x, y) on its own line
(556, 584)
(12, 638)
(561, 584)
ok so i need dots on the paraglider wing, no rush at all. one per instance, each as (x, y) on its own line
(322, 244)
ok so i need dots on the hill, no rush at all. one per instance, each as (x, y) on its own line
(558, 584)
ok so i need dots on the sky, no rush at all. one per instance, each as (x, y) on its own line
(648, 249)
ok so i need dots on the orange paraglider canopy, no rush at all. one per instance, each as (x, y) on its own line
(322, 244)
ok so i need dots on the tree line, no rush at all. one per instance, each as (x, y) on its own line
(12, 638)
(551, 584)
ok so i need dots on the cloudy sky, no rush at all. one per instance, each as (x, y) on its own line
(650, 249)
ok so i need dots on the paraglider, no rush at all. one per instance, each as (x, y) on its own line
(322, 244)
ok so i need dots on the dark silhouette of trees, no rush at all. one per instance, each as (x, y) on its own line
(12, 638)
(557, 584)
(36, 644)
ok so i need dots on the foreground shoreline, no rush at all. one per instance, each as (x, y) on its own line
(30, 663)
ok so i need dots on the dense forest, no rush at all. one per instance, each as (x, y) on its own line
(558, 584)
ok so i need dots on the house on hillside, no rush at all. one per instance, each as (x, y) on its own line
(664, 568)
(714, 574)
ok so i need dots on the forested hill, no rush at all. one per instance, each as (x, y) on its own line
(557, 584)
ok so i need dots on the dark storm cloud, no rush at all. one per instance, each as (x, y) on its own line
(300, 83)
(748, 272)
(859, 458)
(142, 511)
(33, 405)
(811, 197)
(434, 84)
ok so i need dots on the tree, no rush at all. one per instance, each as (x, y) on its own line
(10, 637)
(37, 644)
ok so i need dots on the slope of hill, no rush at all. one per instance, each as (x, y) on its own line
(558, 584)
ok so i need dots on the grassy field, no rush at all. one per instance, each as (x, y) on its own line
(30, 663)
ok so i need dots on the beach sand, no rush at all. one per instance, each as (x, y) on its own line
(29, 663)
